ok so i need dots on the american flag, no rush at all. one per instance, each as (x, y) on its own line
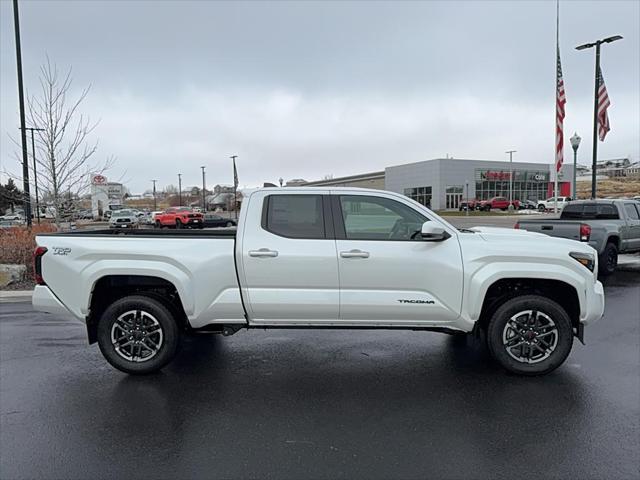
(560, 102)
(603, 104)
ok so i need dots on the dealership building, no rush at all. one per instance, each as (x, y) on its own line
(442, 183)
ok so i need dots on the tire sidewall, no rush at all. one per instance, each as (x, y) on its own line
(530, 302)
(604, 268)
(161, 313)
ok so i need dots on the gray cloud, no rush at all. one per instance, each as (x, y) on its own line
(307, 89)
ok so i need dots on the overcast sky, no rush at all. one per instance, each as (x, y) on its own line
(304, 89)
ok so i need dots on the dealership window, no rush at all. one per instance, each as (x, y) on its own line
(422, 195)
(526, 184)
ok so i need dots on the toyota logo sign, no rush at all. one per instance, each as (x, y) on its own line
(98, 180)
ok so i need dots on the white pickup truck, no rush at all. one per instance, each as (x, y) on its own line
(322, 258)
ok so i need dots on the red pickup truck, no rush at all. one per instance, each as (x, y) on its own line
(501, 203)
(179, 217)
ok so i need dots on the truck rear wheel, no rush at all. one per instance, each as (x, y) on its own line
(137, 335)
(530, 335)
(608, 261)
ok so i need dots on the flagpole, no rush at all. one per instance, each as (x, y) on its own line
(555, 163)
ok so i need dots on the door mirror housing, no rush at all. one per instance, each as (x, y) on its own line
(432, 232)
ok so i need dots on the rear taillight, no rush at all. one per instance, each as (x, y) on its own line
(585, 232)
(37, 265)
(517, 226)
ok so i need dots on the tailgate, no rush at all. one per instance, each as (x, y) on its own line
(553, 228)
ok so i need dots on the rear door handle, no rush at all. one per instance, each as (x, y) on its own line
(263, 252)
(354, 254)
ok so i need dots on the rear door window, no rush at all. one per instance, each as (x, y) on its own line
(295, 216)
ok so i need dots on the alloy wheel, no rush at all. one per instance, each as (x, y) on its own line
(137, 336)
(530, 336)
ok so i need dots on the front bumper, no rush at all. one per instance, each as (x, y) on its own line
(44, 300)
(122, 225)
(594, 308)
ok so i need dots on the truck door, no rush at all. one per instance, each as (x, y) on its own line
(289, 260)
(386, 276)
(632, 230)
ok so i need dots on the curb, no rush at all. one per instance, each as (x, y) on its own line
(15, 295)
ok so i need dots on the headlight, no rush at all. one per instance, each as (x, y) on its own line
(585, 259)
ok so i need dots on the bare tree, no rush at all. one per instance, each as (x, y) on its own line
(64, 157)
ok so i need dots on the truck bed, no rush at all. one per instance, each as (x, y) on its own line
(150, 233)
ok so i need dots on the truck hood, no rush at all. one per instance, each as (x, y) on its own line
(510, 236)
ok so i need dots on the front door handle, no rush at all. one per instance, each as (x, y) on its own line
(263, 252)
(354, 254)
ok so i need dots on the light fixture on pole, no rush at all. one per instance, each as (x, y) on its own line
(204, 202)
(575, 143)
(180, 189)
(511, 152)
(594, 159)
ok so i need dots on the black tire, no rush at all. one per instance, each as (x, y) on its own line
(229, 224)
(158, 224)
(608, 261)
(541, 208)
(164, 323)
(178, 224)
(497, 329)
(487, 208)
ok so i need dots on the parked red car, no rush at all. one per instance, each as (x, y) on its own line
(501, 203)
(179, 217)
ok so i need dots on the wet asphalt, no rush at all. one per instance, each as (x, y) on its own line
(320, 404)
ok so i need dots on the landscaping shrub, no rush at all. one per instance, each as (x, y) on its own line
(18, 243)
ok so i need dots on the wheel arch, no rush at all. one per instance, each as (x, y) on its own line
(561, 292)
(110, 288)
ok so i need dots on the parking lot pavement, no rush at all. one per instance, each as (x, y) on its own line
(319, 404)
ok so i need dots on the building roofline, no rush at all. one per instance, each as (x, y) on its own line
(350, 178)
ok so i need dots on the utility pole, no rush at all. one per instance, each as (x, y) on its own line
(23, 131)
(511, 152)
(235, 185)
(594, 159)
(155, 203)
(35, 172)
(204, 191)
(180, 189)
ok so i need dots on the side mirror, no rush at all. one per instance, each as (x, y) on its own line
(432, 232)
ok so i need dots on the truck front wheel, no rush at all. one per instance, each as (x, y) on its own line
(530, 335)
(137, 335)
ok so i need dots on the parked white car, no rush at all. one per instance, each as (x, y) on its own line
(323, 258)
(550, 203)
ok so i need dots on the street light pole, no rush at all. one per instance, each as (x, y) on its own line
(511, 152)
(35, 172)
(594, 159)
(180, 189)
(23, 132)
(155, 204)
(575, 143)
(467, 194)
(204, 202)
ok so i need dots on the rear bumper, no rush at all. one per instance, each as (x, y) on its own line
(44, 300)
(595, 305)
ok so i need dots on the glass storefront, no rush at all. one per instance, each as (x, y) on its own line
(527, 184)
(421, 195)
